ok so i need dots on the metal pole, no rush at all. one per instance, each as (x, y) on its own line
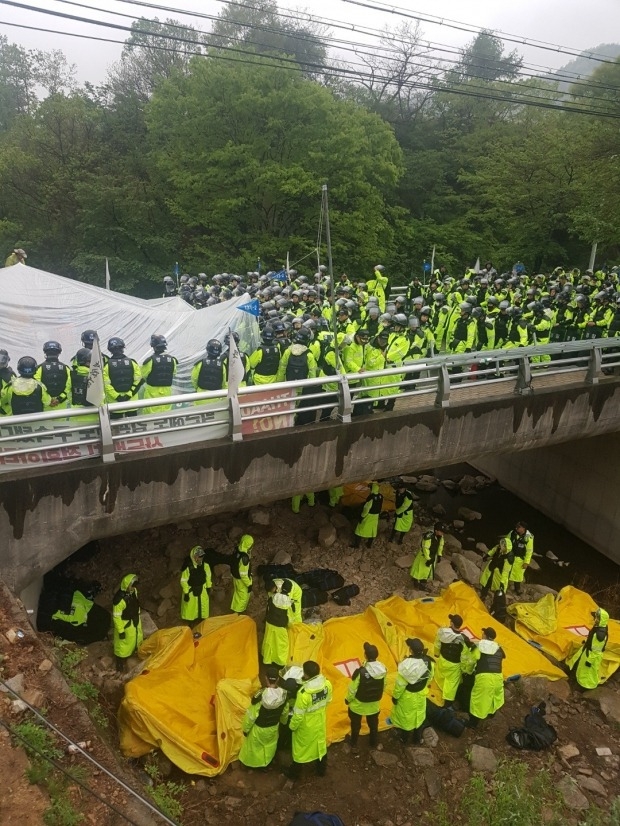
(593, 255)
(330, 269)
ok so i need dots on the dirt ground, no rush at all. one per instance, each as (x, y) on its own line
(394, 790)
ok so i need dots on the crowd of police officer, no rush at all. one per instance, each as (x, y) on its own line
(308, 332)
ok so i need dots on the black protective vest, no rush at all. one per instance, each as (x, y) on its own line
(54, 377)
(120, 371)
(211, 375)
(268, 717)
(483, 333)
(79, 386)
(501, 327)
(370, 689)
(297, 367)
(33, 403)
(451, 651)
(423, 681)
(490, 663)
(197, 575)
(236, 558)
(131, 611)
(400, 499)
(614, 327)
(518, 544)
(276, 616)
(377, 503)
(460, 329)
(162, 371)
(435, 540)
(269, 363)
(513, 335)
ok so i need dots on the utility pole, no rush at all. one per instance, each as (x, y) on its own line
(330, 268)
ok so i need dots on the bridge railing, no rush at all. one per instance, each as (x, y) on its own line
(143, 425)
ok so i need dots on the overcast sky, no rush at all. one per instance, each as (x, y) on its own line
(573, 24)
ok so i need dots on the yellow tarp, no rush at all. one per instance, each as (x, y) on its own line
(357, 493)
(190, 700)
(559, 625)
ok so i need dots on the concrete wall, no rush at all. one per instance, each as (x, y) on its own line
(577, 484)
(49, 513)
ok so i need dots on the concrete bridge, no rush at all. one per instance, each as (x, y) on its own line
(509, 404)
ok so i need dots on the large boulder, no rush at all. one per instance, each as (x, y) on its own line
(468, 514)
(482, 759)
(571, 795)
(473, 557)
(327, 535)
(259, 516)
(404, 561)
(281, 557)
(339, 520)
(609, 703)
(451, 543)
(444, 572)
(467, 570)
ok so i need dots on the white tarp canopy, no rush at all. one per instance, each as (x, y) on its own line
(37, 306)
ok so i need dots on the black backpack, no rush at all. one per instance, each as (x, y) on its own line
(311, 597)
(344, 595)
(536, 734)
(315, 819)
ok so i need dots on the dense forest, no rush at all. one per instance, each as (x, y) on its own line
(211, 148)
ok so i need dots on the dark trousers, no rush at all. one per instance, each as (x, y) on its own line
(397, 536)
(331, 400)
(357, 541)
(309, 416)
(414, 736)
(356, 725)
(320, 768)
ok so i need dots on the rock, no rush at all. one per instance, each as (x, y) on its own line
(444, 572)
(15, 683)
(572, 797)
(550, 555)
(184, 526)
(542, 591)
(259, 516)
(591, 784)
(433, 783)
(164, 607)
(384, 758)
(534, 565)
(483, 759)
(536, 689)
(281, 557)
(430, 738)
(327, 535)
(404, 561)
(169, 591)
(411, 479)
(609, 703)
(339, 520)
(468, 514)
(45, 666)
(34, 697)
(425, 487)
(473, 557)
(449, 484)
(467, 484)
(568, 751)
(584, 770)
(603, 751)
(458, 524)
(423, 757)
(235, 534)
(482, 548)
(467, 570)
(451, 543)
(439, 510)
(108, 662)
(148, 627)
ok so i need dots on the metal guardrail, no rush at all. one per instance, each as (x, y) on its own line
(114, 430)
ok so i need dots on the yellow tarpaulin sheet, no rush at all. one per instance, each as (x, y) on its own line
(357, 493)
(559, 625)
(190, 699)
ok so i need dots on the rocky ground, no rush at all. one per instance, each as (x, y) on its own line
(390, 786)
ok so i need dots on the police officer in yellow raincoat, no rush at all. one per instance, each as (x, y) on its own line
(242, 574)
(586, 662)
(410, 692)
(275, 640)
(487, 694)
(309, 721)
(196, 583)
(261, 724)
(368, 526)
(128, 634)
(364, 695)
(449, 642)
(431, 550)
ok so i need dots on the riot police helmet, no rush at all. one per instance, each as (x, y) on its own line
(26, 367)
(52, 348)
(214, 348)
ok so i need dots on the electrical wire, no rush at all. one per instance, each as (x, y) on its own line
(351, 46)
(89, 757)
(516, 97)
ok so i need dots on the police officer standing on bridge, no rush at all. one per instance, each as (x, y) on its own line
(121, 377)
(54, 375)
(158, 372)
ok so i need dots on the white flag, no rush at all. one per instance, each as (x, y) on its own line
(107, 275)
(95, 393)
(477, 266)
(235, 366)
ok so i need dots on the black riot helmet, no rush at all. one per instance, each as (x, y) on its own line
(26, 367)
(88, 336)
(158, 343)
(52, 348)
(116, 346)
(83, 357)
(214, 348)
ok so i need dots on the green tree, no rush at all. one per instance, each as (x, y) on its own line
(242, 152)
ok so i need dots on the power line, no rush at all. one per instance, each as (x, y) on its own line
(466, 27)
(519, 98)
